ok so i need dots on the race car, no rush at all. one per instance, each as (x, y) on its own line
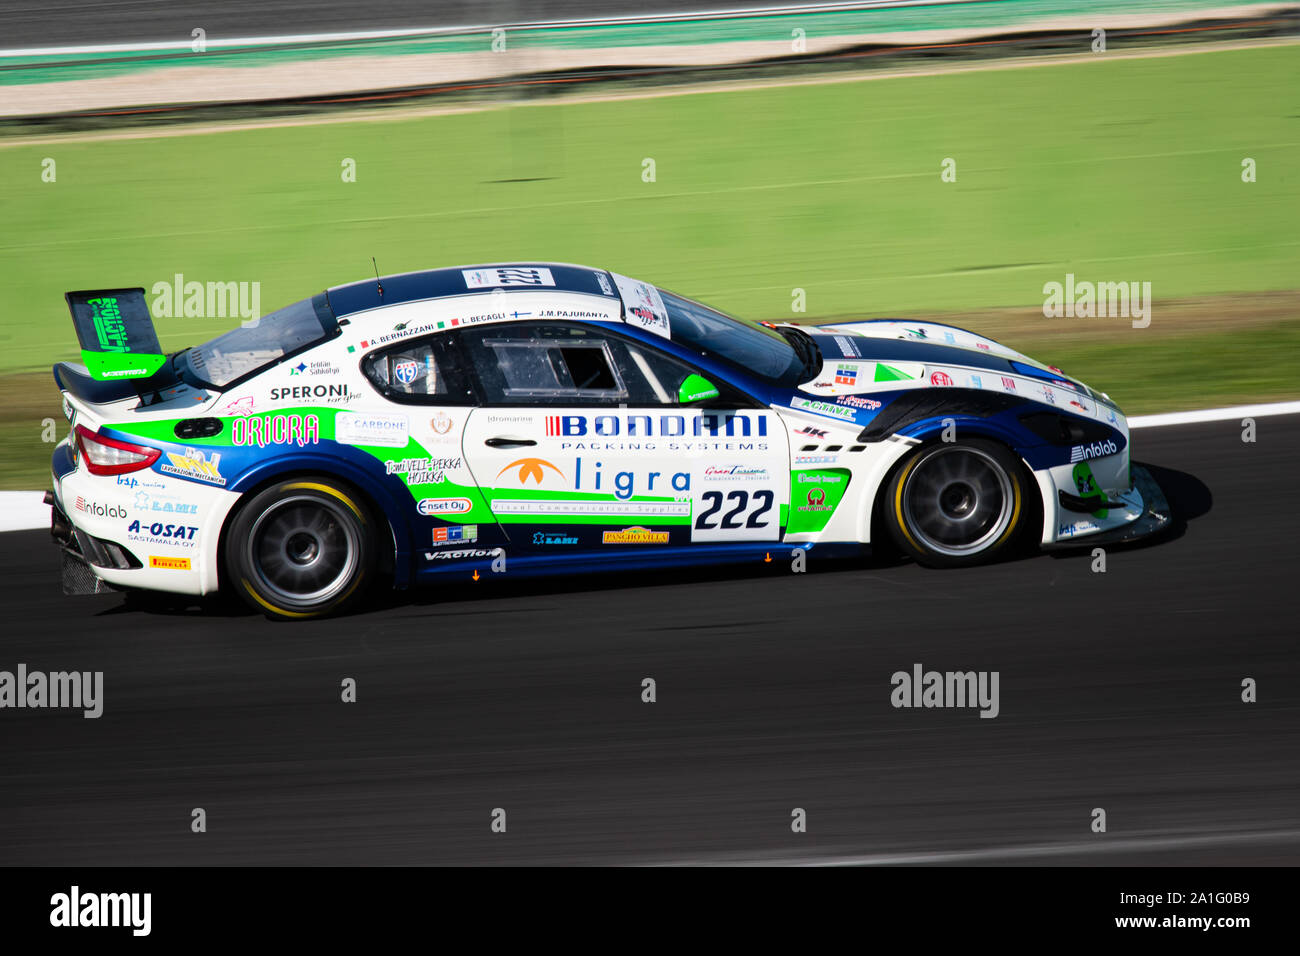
(544, 418)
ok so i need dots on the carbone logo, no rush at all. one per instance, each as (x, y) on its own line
(531, 467)
(1097, 449)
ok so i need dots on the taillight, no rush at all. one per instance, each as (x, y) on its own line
(109, 456)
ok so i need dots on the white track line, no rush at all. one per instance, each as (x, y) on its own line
(25, 511)
(1236, 412)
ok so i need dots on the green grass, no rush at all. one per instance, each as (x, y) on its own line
(1115, 170)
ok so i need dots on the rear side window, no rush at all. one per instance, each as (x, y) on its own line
(420, 372)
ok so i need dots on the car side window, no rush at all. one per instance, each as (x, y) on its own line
(659, 376)
(416, 372)
(525, 364)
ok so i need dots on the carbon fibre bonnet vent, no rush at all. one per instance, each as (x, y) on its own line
(916, 406)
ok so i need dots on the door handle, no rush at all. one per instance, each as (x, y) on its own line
(509, 442)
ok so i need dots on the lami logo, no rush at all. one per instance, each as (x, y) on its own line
(721, 424)
(1103, 300)
(207, 300)
(531, 468)
(1098, 449)
(126, 910)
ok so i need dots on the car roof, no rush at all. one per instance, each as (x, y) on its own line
(365, 295)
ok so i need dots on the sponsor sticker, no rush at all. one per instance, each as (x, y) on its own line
(275, 430)
(507, 276)
(643, 306)
(169, 564)
(99, 510)
(406, 371)
(823, 408)
(371, 428)
(848, 348)
(192, 463)
(444, 506)
(546, 538)
(637, 535)
(456, 533)
(940, 378)
(647, 509)
(1098, 449)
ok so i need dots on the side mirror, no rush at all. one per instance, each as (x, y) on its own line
(696, 388)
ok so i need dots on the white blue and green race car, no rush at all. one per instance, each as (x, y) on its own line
(545, 418)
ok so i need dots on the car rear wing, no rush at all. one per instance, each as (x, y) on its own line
(116, 334)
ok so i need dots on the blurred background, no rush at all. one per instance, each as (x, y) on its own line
(929, 159)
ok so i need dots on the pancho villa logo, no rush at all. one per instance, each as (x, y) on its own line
(637, 535)
(531, 468)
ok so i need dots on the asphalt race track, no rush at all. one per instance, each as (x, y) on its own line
(1118, 690)
(39, 23)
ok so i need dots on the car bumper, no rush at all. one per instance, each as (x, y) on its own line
(1145, 512)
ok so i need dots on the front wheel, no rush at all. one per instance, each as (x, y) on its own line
(957, 504)
(301, 548)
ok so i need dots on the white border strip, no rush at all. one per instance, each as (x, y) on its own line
(26, 511)
(1236, 412)
(300, 38)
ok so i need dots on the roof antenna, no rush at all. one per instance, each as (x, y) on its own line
(378, 284)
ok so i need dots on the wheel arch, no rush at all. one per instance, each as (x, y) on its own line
(394, 551)
(966, 428)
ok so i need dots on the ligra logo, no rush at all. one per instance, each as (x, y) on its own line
(531, 468)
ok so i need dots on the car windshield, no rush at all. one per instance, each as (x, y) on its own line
(259, 343)
(752, 348)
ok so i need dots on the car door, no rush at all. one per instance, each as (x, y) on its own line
(582, 442)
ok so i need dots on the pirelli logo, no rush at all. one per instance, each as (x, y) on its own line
(169, 564)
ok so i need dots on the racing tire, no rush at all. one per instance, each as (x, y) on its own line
(956, 504)
(301, 548)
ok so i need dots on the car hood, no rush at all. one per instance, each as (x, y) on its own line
(897, 351)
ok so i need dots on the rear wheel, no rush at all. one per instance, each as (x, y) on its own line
(301, 548)
(959, 503)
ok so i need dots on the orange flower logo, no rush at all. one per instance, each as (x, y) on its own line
(531, 467)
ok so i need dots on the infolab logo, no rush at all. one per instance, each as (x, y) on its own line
(1097, 449)
(100, 511)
